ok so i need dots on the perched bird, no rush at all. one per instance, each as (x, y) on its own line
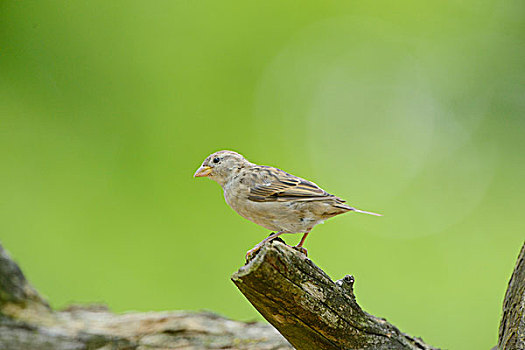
(270, 197)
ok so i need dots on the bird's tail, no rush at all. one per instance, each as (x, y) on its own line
(365, 212)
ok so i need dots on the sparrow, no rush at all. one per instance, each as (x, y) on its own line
(270, 197)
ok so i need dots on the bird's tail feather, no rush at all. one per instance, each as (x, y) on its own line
(365, 212)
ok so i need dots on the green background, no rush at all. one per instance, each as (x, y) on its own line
(411, 109)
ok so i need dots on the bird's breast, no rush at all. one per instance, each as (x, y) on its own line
(237, 199)
(259, 213)
(275, 216)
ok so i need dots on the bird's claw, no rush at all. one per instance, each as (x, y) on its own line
(250, 253)
(301, 249)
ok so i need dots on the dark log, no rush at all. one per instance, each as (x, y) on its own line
(28, 323)
(309, 309)
(512, 326)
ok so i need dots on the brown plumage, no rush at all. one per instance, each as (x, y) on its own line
(270, 197)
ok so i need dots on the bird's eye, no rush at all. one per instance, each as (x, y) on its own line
(216, 160)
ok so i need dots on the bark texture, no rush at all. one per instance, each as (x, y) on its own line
(288, 289)
(311, 310)
(28, 323)
(512, 326)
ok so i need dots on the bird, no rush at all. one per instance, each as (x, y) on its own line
(272, 198)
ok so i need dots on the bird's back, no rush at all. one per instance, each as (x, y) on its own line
(278, 200)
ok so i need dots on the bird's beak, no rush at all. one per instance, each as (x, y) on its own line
(203, 171)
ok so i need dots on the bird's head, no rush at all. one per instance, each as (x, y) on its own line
(221, 166)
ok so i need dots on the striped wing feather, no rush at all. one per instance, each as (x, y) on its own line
(277, 185)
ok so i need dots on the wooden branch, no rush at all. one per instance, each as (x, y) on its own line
(14, 288)
(288, 289)
(512, 326)
(28, 323)
(309, 309)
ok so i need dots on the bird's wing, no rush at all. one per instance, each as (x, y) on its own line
(273, 185)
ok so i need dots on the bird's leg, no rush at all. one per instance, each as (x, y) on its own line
(300, 247)
(303, 239)
(259, 245)
(277, 238)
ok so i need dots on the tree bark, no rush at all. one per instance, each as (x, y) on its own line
(288, 289)
(309, 309)
(512, 326)
(28, 323)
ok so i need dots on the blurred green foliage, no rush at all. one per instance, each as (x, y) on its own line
(411, 109)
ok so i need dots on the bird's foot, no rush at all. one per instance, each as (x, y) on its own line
(301, 249)
(252, 252)
(278, 239)
(270, 238)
